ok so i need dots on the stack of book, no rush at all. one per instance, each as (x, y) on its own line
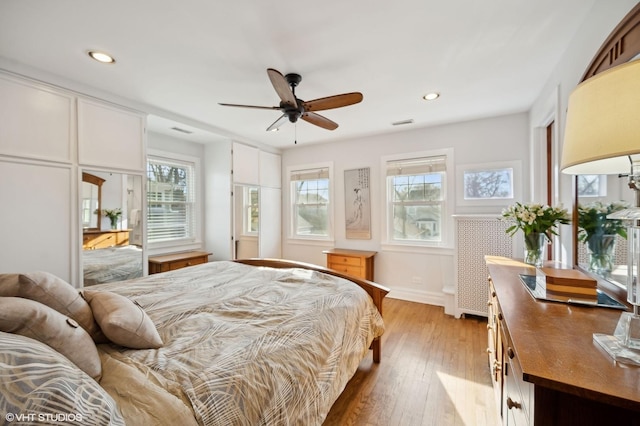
(567, 285)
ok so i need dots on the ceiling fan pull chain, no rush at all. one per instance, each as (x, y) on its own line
(295, 131)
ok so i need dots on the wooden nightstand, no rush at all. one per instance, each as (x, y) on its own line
(353, 262)
(171, 262)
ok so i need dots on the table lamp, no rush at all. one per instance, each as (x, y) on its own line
(602, 136)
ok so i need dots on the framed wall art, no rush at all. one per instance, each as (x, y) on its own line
(357, 203)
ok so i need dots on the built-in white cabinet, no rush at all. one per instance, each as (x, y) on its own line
(254, 168)
(110, 136)
(37, 121)
(48, 136)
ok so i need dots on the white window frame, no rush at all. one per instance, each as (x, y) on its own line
(195, 238)
(247, 208)
(446, 226)
(291, 202)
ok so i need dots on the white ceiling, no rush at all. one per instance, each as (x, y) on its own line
(180, 58)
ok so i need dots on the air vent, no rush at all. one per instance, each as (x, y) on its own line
(178, 129)
(400, 123)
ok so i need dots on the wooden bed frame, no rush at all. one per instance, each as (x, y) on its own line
(376, 291)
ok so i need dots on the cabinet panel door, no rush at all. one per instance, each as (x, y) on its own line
(37, 122)
(37, 219)
(270, 170)
(109, 136)
(246, 164)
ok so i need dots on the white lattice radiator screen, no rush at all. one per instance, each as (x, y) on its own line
(477, 236)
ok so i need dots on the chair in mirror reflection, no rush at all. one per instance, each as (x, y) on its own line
(111, 254)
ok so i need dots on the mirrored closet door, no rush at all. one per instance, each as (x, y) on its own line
(112, 226)
(246, 217)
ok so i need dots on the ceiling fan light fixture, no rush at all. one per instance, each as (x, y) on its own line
(431, 96)
(101, 57)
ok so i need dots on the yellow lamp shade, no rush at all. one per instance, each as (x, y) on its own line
(603, 123)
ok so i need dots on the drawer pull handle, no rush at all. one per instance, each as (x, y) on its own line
(511, 353)
(489, 350)
(489, 303)
(500, 316)
(496, 367)
(512, 404)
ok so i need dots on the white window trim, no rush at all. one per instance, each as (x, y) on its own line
(289, 211)
(447, 220)
(186, 243)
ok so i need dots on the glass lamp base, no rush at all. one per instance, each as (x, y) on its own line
(628, 330)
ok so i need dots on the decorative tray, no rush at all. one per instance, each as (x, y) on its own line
(538, 292)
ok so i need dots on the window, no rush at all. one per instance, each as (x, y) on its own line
(171, 200)
(250, 218)
(592, 185)
(416, 200)
(310, 197)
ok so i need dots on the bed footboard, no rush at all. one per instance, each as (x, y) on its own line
(376, 291)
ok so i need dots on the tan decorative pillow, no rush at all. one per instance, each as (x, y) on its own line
(40, 322)
(123, 321)
(52, 291)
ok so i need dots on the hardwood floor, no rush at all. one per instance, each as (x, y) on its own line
(434, 371)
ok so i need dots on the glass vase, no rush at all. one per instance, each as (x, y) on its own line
(534, 248)
(601, 249)
(114, 222)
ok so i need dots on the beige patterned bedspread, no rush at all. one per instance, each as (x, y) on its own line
(243, 345)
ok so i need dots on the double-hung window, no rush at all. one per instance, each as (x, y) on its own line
(250, 217)
(171, 200)
(310, 196)
(416, 200)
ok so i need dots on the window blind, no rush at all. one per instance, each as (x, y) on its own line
(417, 166)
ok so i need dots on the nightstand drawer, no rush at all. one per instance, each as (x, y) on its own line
(187, 262)
(344, 260)
(351, 270)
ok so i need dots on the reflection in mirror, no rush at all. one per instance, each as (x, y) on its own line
(246, 221)
(114, 254)
(91, 198)
(602, 246)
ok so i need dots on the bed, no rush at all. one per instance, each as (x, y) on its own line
(249, 342)
(117, 263)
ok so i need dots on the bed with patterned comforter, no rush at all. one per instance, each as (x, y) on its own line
(242, 345)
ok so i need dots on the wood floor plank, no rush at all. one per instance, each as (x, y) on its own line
(434, 371)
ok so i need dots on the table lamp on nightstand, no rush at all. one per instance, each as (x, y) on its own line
(602, 136)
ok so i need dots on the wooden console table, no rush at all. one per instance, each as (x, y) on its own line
(547, 368)
(171, 262)
(353, 262)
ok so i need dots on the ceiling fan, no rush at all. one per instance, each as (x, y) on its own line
(294, 108)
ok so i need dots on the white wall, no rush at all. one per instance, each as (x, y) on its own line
(410, 274)
(553, 99)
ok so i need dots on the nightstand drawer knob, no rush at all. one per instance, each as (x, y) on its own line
(512, 404)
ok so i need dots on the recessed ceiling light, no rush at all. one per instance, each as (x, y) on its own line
(431, 96)
(101, 57)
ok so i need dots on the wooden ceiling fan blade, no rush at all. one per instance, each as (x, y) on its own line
(282, 87)
(250, 106)
(318, 120)
(279, 122)
(331, 102)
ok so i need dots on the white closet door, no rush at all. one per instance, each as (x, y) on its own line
(246, 164)
(37, 219)
(270, 222)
